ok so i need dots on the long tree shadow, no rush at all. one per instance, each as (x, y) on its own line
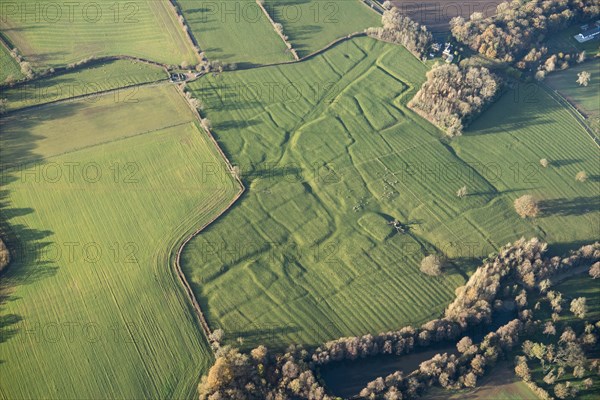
(566, 207)
(28, 246)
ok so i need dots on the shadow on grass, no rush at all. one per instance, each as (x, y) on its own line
(572, 206)
(27, 245)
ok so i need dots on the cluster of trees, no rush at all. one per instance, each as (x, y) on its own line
(452, 96)
(25, 66)
(519, 26)
(539, 60)
(261, 376)
(537, 273)
(400, 29)
(564, 355)
(4, 256)
(517, 265)
(215, 67)
(449, 371)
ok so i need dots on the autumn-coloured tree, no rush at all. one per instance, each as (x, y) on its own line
(581, 176)
(579, 307)
(583, 78)
(527, 206)
(595, 270)
(432, 265)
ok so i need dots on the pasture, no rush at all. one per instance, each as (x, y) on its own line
(312, 25)
(585, 98)
(234, 32)
(146, 29)
(82, 82)
(329, 157)
(506, 143)
(8, 66)
(90, 306)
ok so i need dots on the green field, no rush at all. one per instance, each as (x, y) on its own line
(50, 34)
(96, 78)
(312, 25)
(307, 247)
(585, 98)
(8, 66)
(234, 31)
(120, 184)
(505, 145)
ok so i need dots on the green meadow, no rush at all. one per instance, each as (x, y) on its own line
(312, 25)
(8, 66)
(585, 98)
(85, 82)
(330, 154)
(50, 34)
(96, 198)
(234, 32)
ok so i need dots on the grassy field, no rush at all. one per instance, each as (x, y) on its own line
(8, 66)
(146, 29)
(585, 98)
(330, 156)
(90, 305)
(313, 24)
(505, 145)
(234, 31)
(97, 78)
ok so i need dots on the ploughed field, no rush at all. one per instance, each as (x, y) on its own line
(330, 154)
(436, 15)
(97, 196)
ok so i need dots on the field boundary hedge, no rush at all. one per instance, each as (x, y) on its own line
(177, 264)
